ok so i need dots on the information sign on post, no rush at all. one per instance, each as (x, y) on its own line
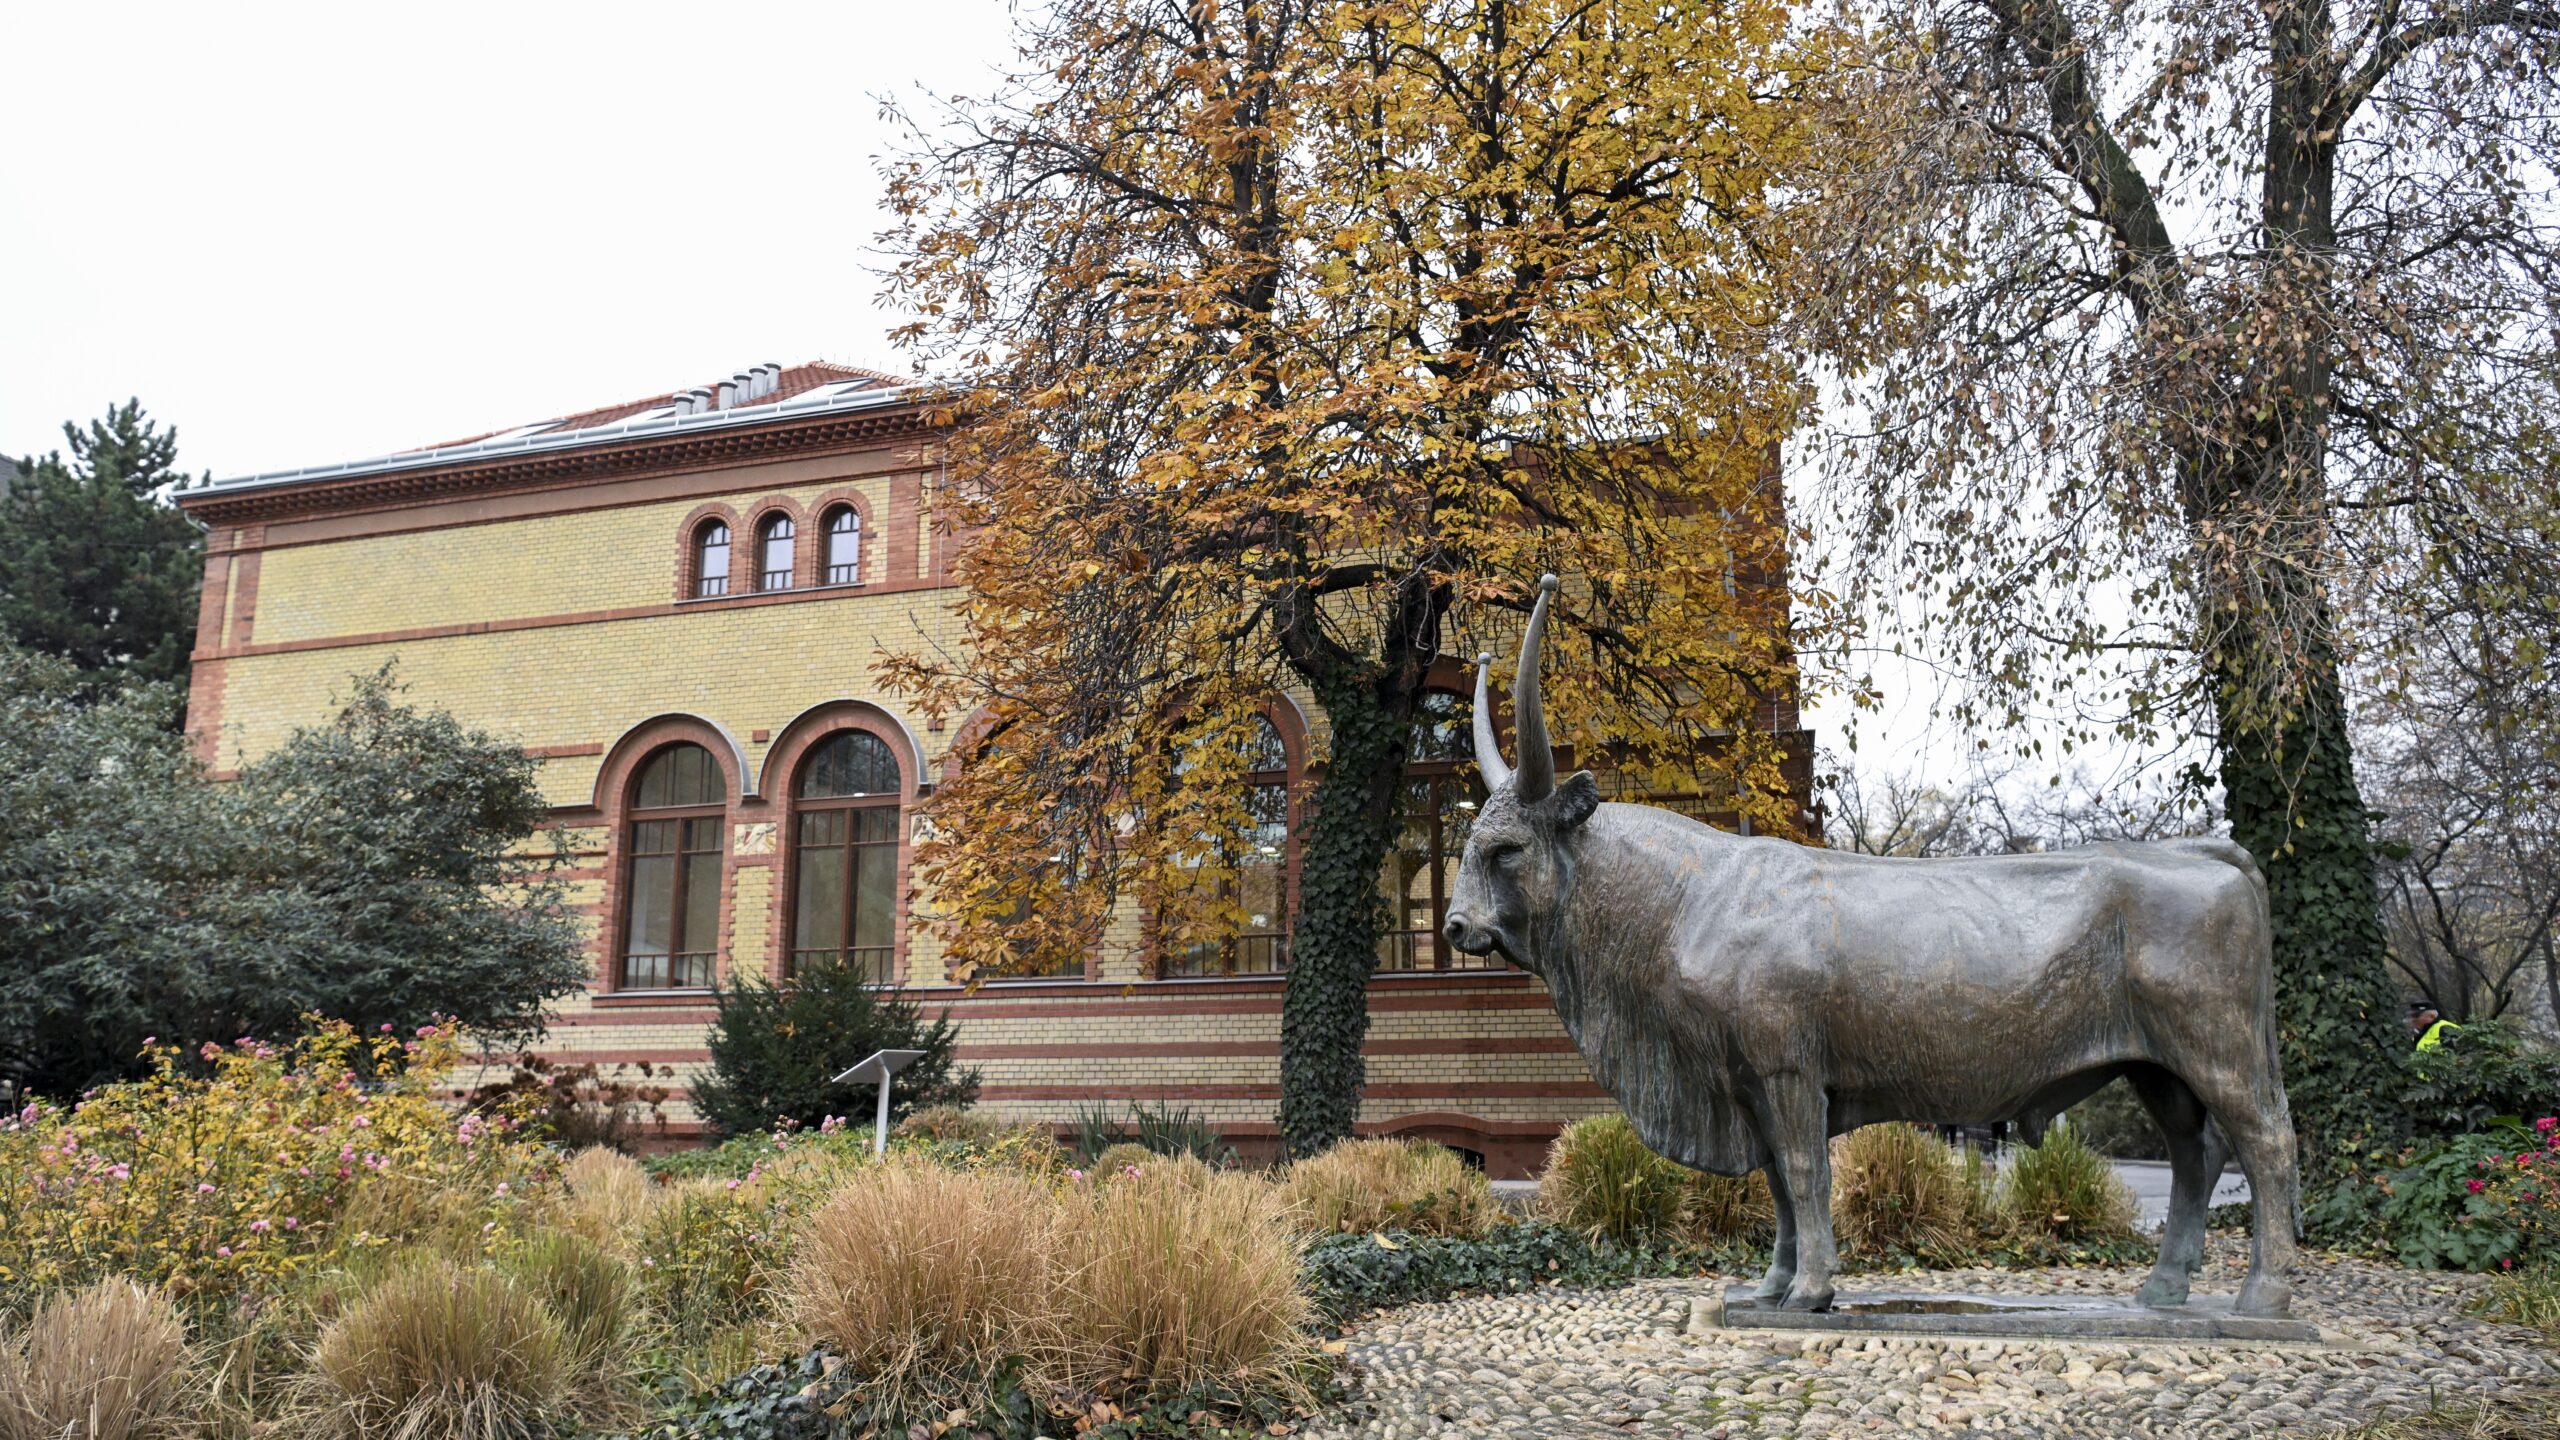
(880, 1065)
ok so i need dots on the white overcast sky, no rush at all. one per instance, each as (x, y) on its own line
(311, 233)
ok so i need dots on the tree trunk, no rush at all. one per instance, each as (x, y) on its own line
(2295, 806)
(1324, 1017)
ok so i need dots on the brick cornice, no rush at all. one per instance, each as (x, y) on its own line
(787, 437)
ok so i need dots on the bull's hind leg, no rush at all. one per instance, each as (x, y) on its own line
(1782, 1250)
(2196, 1153)
(2254, 1118)
(1797, 1125)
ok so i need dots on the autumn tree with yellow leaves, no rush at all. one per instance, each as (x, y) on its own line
(1288, 337)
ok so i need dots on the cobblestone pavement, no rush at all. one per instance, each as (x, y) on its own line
(1627, 1362)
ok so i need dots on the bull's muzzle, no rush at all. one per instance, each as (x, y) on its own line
(1465, 937)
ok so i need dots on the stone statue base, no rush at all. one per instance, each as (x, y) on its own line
(2050, 1317)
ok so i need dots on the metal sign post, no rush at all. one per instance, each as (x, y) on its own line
(880, 1065)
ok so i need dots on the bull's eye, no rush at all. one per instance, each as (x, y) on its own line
(1507, 856)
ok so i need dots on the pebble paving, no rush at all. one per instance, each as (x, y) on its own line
(1634, 1361)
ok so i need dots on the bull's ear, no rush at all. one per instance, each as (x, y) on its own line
(1575, 799)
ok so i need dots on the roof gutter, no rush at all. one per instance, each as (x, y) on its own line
(522, 445)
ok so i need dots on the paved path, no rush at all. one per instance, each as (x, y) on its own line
(1629, 1362)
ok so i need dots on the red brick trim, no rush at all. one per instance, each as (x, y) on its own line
(782, 762)
(562, 752)
(580, 617)
(691, 531)
(906, 498)
(1211, 1090)
(1270, 1049)
(244, 599)
(614, 781)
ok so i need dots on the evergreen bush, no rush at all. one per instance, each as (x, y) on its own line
(776, 1050)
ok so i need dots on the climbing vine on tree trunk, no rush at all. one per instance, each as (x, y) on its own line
(1324, 1017)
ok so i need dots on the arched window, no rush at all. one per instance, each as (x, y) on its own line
(773, 552)
(711, 559)
(676, 833)
(844, 856)
(1260, 855)
(844, 546)
(1438, 804)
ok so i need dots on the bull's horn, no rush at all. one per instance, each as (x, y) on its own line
(1536, 774)
(1488, 752)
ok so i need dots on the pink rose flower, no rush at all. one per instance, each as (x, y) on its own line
(2476, 1186)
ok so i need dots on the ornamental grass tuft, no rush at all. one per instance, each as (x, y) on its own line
(439, 1352)
(926, 1280)
(1174, 1279)
(2065, 1190)
(105, 1362)
(1379, 1184)
(1899, 1192)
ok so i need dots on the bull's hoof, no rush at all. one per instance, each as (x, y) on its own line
(2264, 1298)
(2163, 1291)
(1808, 1299)
(1774, 1285)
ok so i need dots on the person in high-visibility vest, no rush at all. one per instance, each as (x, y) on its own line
(2429, 1025)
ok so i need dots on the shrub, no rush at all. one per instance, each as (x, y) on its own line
(955, 1123)
(926, 1280)
(440, 1352)
(1379, 1184)
(2481, 1071)
(577, 1106)
(765, 1067)
(587, 1289)
(2486, 1200)
(711, 1254)
(1897, 1191)
(268, 1160)
(1127, 1155)
(1096, 1129)
(1603, 1182)
(2065, 1190)
(1179, 1131)
(104, 1362)
(1174, 1279)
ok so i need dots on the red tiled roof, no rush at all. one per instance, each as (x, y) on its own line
(794, 380)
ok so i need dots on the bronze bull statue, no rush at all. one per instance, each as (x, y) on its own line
(1746, 999)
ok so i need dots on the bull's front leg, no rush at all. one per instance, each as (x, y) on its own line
(1782, 1250)
(1799, 1134)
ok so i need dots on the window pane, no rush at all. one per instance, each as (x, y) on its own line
(823, 827)
(680, 775)
(876, 824)
(711, 560)
(651, 904)
(1268, 753)
(851, 762)
(875, 894)
(701, 904)
(775, 565)
(819, 922)
(844, 547)
(1444, 728)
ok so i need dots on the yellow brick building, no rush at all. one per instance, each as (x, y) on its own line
(679, 605)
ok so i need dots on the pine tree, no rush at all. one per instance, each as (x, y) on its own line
(96, 566)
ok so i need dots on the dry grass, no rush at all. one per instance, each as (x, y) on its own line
(608, 1195)
(1362, 1185)
(1725, 1209)
(104, 1362)
(2529, 1412)
(2066, 1190)
(1602, 1181)
(925, 1279)
(1897, 1190)
(1171, 1278)
(588, 1289)
(438, 1352)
